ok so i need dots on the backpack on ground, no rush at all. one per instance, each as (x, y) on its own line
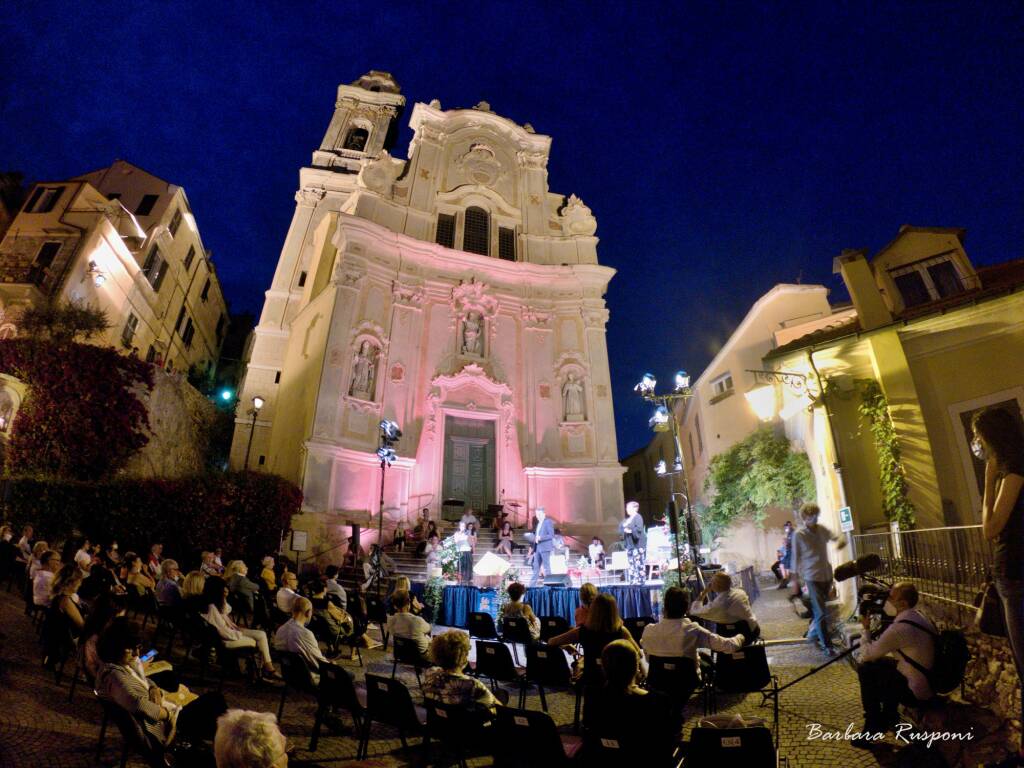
(951, 657)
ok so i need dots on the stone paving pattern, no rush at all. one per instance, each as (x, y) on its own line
(40, 727)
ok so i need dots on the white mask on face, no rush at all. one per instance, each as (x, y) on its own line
(889, 608)
(978, 450)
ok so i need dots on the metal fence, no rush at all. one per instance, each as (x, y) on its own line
(947, 564)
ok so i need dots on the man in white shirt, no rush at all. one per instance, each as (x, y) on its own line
(468, 517)
(83, 557)
(294, 637)
(888, 681)
(43, 579)
(286, 594)
(812, 567)
(409, 626)
(731, 605)
(675, 635)
(335, 588)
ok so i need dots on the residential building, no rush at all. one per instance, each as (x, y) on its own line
(452, 293)
(126, 242)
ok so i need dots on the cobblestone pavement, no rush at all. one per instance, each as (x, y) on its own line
(40, 727)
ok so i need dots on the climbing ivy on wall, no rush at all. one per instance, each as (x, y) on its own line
(874, 410)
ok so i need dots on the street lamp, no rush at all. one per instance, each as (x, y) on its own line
(257, 404)
(663, 420)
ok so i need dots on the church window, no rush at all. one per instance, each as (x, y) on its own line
(146, 205)
(277, 377)
(507, 243)
(446, 230)
(302, 279)
(356, 139)
(476, 236)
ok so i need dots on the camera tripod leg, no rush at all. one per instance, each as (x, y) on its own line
(818, 668)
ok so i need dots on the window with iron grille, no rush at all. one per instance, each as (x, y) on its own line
(181, 319)
(189, 257)
(146, 205)
(128, 332)
(506, 243)
(160, 274)
(446, 230)
(476, 233)
(190, 332)
(154, 267)
(175, 222)
(206, 290)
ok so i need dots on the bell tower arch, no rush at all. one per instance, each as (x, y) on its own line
(364, 122)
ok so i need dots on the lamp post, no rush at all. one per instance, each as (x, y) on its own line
(257, 404)
(389, 435)
(664, 420)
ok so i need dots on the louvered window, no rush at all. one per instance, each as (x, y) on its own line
(507, 244)
(446, 230)
(476, 236)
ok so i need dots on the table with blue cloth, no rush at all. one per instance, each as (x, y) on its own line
(457, 602)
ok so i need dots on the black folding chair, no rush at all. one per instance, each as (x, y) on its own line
(337, 691)
(134, 737)
(460, 730)
(552, 626)
(746, 671)
(376, 612)
(750, 747)
(547, 668)
(536, 739)
(481, 626)
(750, 634)
(636, 625)
(406, 651)
(516, 630)
(676, 677)
(494, 662)
(297, 677)
(388, 702)
(211, 640)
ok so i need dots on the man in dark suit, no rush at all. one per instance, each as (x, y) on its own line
(544, 543)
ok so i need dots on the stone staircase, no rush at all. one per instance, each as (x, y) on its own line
(408, 563)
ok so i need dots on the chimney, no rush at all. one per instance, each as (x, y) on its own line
(860, 282)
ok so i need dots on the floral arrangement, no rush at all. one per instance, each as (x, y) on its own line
(448, 557)
(432, 597)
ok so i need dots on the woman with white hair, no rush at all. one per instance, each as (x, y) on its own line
(248, 739)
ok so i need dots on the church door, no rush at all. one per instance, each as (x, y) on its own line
(469, 455)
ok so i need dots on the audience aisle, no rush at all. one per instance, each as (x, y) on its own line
(38, 726)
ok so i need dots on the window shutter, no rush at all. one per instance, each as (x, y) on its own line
(506, 243)
(476, 235)
(446, 230)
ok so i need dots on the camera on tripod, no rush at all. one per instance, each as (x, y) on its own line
(872, 595)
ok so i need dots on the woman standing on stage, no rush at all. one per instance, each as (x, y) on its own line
(634, 537)
(465, 547)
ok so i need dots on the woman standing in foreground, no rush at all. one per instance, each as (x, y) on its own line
(999, 442)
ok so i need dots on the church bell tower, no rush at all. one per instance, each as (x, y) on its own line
(364, 122)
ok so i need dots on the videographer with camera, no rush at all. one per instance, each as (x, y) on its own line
(812, 567)
(886, 681)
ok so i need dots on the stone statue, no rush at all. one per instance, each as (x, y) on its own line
(362, 372)
(471, 334)
(572, 399)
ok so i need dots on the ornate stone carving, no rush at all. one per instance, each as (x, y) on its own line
(573, 406)
(536, 319)
(310, 196)
(577, 218)
(483, 106)
(480, 165)
(594, 317)
(364, 370)
(532, 159)
(379, 175)
(471, 344)
(348, 273)
(405, 295)
(397, 373)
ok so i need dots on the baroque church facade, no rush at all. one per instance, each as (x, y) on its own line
(452, 293)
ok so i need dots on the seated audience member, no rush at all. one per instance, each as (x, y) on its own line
(168, 591)
(354, 554)
(25, 545)
(249, 740)
(111, 554)
(675, 635)
(469, 518)
(35, 559)
(429, 532)
(83, 556)
(218, 561)
(105, 610)
(402, 582)
(643, 722)
(267, 574)
(886, 681)
(596, 552)
(208, 565)
(447, 683)
(287, 593)
(730, 605)
(777, 566)
(404, 624)
(432, 551)
(293, 636)
(332, 621)
(139, 582)
(6, 533)
(399, 541)
(603, 625)
(240, 585)
(43, 581)
(122, 681)
(506, 539)
(218, 614)
(587, 594)
(64, 596)
(377, 565)
(516, 607)
(334, 586)
(192, 591)
(154, 559)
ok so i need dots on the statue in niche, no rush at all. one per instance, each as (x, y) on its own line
(572, 399)
(471, 334)
(362, 372)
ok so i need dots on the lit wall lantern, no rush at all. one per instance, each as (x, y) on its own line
(95, 274)
(762, 400)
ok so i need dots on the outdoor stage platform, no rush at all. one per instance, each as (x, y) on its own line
(457, 602)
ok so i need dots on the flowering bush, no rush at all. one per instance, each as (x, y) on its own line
(245, 513)
(448, 556)
(84, 414)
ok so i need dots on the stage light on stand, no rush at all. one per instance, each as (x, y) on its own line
(682, 380)
(389, 430)
(659, 421)
(646, 385)
(660, 469)
(387, 455)
(677, 465)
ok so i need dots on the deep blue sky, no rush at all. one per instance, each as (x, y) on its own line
(723, 147)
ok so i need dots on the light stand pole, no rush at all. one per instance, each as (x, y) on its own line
(389, 435)
(257, 404)
(664, 420)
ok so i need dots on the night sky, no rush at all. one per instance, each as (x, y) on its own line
(723, 147)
